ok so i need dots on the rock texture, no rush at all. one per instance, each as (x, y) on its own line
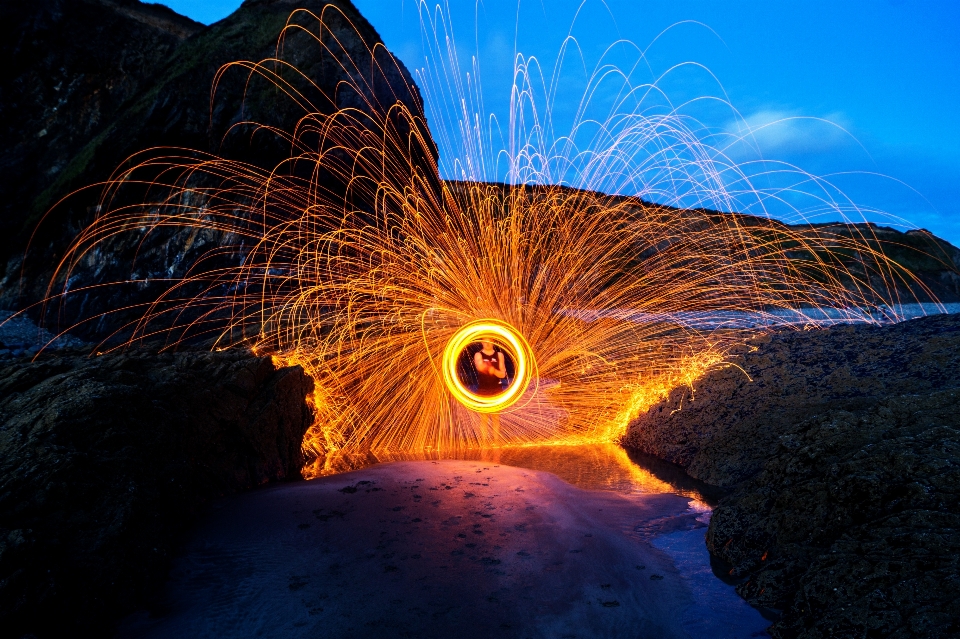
(853, 525)
(20, 337)
(841, 451)
(70, 67)
(104, 460)
(724, 428)
(164, 100)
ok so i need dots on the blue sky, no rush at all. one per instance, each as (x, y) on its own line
(884, 74)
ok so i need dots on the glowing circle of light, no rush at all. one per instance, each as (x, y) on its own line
(515, 346)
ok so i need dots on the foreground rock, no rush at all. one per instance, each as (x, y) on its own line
(843, 459)
(104, 460)
(426, 549)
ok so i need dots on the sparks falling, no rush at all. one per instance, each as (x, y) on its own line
(361, 264)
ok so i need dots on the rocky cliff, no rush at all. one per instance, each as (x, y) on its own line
(98, 81)
(70, 69)
(105, 460)
(840, 450)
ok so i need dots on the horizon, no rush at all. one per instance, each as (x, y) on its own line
(822, 87)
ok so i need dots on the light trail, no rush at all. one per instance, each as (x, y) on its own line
(363, 266)
(516, 347)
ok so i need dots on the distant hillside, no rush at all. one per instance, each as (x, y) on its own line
(89, 83)
(934, 261)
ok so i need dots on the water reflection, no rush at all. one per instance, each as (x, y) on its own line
(716, 612)
(590, 466)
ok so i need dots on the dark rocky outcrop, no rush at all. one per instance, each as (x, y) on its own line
(732, 418)
(853, 525)
(104, 461)
(162, 100)
(841, 455)
(70, 67)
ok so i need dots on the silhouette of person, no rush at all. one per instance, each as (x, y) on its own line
(491, 365)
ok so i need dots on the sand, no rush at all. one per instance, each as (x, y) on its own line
(428, 549)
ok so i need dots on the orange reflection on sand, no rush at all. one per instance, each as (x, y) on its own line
(605, 467)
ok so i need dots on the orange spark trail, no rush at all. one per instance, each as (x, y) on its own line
(361, 264)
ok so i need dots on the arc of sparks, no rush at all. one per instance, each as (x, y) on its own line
(516, 347)
(607, 302)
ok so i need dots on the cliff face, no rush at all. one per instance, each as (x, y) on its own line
(158, 71)
(840, 449)
(70, 67)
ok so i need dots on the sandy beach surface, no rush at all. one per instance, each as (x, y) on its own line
(435, 549)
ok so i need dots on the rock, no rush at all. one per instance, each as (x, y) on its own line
(104, 460)
(169, 106)
(70, 68)
(725, 428)
(854, 527)
(841, 452)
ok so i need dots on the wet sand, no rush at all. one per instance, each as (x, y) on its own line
(428, 549)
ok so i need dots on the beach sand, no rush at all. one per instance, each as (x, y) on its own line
(427, 549)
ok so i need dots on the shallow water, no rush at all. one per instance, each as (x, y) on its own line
(717, 612)
(821, 316)
(589, 466)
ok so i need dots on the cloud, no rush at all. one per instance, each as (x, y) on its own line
(777, 132)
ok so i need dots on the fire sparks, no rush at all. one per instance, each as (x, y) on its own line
(366, 268)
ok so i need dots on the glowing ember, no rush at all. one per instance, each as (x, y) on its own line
(376, 285)
(516, 347)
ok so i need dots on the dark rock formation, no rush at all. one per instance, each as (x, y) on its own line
(164, 100)
(104, 460)
(19, 337)
(70, 67)
(842, 456)
(853, 525)
(729, 423)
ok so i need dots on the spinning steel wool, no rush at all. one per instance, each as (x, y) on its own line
(365, 267)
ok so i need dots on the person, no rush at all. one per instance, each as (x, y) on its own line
(491, 365)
